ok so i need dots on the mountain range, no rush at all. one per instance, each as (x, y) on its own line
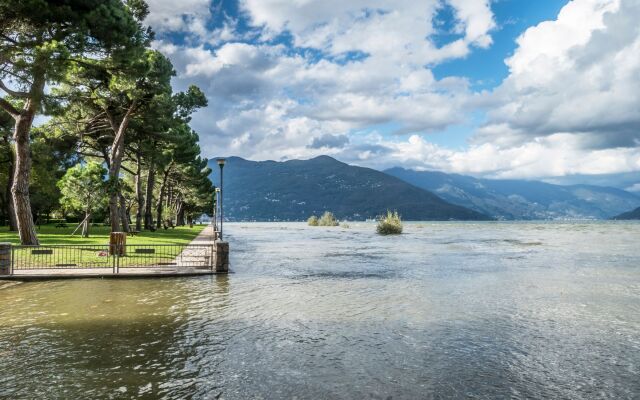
(634, 214)
(522, 199)
(296, 189)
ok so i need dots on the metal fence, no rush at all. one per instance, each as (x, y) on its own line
(199, 256)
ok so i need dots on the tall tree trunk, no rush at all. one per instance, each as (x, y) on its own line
(115, 161)
(180, 214)
(85, 225)
(23, 121)
(20, 186)
(139, 195)
(159, 205)
(122, 211)
(168, 205)
(148, 200)
(114, 212)
(11, 211)
(128, 213)
(161, 196)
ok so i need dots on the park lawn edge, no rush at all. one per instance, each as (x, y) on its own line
(99, 235)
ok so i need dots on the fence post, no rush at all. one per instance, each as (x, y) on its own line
(5, 259)
(212, 257)
(222, 257)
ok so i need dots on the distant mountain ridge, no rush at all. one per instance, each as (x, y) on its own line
(629, 215)
(522, 199)
(296, 189)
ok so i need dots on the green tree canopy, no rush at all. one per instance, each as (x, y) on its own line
(83, 188)
(105, 98)
(39, 41)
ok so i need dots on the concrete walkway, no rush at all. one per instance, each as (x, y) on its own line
(199, 256)
(197, 260)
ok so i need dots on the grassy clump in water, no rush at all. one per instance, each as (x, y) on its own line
(328, 219)
(390, 224)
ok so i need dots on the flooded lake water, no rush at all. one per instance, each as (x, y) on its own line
(445, 310)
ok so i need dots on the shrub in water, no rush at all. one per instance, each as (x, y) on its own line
(312, 221)
(389, 224)
(328, 219)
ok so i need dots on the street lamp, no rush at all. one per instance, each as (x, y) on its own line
(216, 195)
(213, 209)
(221, 164)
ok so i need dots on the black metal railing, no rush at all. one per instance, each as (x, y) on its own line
(60, 257)
(192, 256)
(99, 256)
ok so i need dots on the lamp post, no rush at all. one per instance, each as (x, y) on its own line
(216, 195)
(214, 205)
(221, 164)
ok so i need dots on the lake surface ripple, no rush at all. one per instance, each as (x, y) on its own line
(446, 310)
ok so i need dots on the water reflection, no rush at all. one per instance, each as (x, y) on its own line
(104, 338)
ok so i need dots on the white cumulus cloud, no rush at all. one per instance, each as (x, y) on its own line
(569, 105)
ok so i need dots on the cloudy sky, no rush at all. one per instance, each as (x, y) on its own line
(505, 88)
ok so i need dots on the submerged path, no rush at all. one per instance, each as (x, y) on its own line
(199, 253)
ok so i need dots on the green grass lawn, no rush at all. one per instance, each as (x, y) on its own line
(49, 234)
(96, 255)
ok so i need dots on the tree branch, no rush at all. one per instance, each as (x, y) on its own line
(9, 39)
(8, 107)
(112, 123)
(22, 78)
(127, 170)
(82, 153)
(21, 95)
